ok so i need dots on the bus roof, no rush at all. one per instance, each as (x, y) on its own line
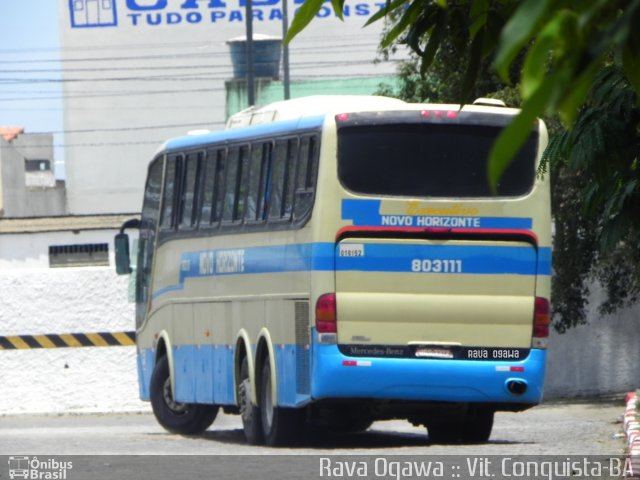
(311, 106)
(308, 112)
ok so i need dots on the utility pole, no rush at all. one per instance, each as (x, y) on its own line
(249, 43)
(285, 49)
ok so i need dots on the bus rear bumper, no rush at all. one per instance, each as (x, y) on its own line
(338, 376)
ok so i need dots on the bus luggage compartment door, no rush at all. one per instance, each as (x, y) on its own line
(435, 292)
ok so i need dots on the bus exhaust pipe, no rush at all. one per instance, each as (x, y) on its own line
(516, 387)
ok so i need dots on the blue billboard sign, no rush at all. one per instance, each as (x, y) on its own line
(139, 13)
(93, 13)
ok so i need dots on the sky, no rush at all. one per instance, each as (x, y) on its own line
(29, 41)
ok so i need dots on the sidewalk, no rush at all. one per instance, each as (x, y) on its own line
(631, 423)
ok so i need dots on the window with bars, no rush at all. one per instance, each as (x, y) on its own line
(79, 255)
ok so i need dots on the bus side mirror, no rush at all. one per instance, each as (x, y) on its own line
(123, 259)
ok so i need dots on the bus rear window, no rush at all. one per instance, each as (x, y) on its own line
(428, 160)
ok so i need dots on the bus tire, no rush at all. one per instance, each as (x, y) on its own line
(249, 413)
(474, 427)
(281, 426)
(182, 418)
(478, 426)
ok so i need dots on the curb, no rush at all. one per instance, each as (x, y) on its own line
(631, 422)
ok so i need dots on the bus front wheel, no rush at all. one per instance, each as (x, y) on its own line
(176, 417)
(281, 426)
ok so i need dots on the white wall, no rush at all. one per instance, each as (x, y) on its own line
(602, 357)
(31, 250)
(66, 300)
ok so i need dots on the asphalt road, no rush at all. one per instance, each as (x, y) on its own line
(134, 446)
(587, 428)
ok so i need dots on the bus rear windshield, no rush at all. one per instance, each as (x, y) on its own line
(428, 160)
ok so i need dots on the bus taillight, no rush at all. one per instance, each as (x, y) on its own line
(326, 314)
(541, 322)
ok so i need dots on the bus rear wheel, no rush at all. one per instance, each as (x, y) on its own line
(176, 417)
(249, 413)
(281, 426)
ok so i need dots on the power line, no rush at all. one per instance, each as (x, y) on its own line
(203, 66)
(131, 129)
(184, 77)
(107, 94)
(99, 144)
(360, 36)
(118, 108)
(117, 69)
(162, 56)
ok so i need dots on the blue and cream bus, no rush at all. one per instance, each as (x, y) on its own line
(332, 261)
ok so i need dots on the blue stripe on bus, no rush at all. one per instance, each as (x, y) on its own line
(205, 374)
(424, 379)
(367, 213)
(474, 260)
(234, 134)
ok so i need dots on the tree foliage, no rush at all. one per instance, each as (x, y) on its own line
(596, 200)
(565, 43)
(577, 64)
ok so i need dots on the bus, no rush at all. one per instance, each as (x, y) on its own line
(330, 261)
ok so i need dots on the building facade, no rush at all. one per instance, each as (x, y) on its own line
(28, 187)
(136, 72)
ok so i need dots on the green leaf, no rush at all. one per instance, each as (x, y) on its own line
(513, 137)
(517, 33)
(473, 67)
(338, 7)
(442, 3)
(479, 15)
(388, 8)
(432, 46)
(303, 17)
(409, 17)
(569, 106)
(631, 65)
(552, 40)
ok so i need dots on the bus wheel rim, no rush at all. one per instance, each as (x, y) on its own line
(167, 395)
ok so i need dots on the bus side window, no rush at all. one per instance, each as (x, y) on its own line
(219, 187)
(189, 191)
(258, 177)
(236, 183)
(230, 185)
(305, 176)
(282, 179)
(243, 184)
(168, 197)
(147, 239)
(211, 188)
(276, 187)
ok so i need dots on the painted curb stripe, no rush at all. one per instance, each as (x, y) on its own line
(66, 340)
(125, 338)
(44, 342)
